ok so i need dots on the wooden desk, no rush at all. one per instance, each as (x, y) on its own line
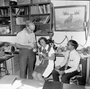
(18, 83)
(58, 85)
(3, 59)
(6, 57)
(32, 84)
(28, 84)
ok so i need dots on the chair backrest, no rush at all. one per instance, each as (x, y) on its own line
(83, 63)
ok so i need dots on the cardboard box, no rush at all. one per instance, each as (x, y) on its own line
(2, 3)
(38, 1)
(21, 20)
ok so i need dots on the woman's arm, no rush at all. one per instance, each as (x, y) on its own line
(52, 57)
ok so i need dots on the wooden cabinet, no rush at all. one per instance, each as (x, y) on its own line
(42, 15)
(15, 16)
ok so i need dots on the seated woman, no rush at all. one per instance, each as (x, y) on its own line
(47, 57)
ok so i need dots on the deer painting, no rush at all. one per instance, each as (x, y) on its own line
(70, 16)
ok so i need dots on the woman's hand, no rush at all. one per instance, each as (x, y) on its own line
(58, 51)
(44, 55)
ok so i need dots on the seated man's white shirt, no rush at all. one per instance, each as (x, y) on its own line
(24, 38)
(63, 63)
(74, 60)
(50, 66)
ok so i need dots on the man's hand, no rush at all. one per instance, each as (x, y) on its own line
(60, 72)
(58, 67)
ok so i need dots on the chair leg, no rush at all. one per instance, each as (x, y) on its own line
(6, 70)
(0, 71)
(3, 69)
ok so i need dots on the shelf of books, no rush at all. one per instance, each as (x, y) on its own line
(20, 10)
(19, 15)
(4, 11)
(43, 8)
(41, 15)
(4, 20)
(15, 17)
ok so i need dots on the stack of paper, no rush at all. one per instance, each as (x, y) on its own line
(7, 81)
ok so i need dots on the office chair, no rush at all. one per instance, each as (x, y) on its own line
(81, 78)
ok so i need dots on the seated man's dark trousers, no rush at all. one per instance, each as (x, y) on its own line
(65, 78)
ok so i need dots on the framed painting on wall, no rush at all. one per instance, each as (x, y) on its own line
(70, 18)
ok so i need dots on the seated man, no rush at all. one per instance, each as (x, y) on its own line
(70, 65)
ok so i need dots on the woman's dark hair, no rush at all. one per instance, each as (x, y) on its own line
(2, 44)
(73, 43)
(43, 38)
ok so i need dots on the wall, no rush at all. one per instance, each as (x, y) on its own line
(59, 36)
(10, 39)
(78, 36)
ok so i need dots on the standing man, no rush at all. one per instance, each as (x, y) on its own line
(26, 42)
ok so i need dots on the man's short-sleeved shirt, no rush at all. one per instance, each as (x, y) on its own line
(24, 38)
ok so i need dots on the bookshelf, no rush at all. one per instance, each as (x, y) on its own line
(19, 14)
(42, 15)
(14, 17)
(5, 20)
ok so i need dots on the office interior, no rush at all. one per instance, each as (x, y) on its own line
(80, 32)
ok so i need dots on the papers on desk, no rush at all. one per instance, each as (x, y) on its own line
(27, 84)
(12, 82)
(6, 57)
(7, 81)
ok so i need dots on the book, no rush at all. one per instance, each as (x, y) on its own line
(2, 13)
(26, 11)
(21, 20)
(46, 20)
(34, 10)
(44, 8)
(18, 10)
(36, 20)
(40, 9)
(48, 8)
